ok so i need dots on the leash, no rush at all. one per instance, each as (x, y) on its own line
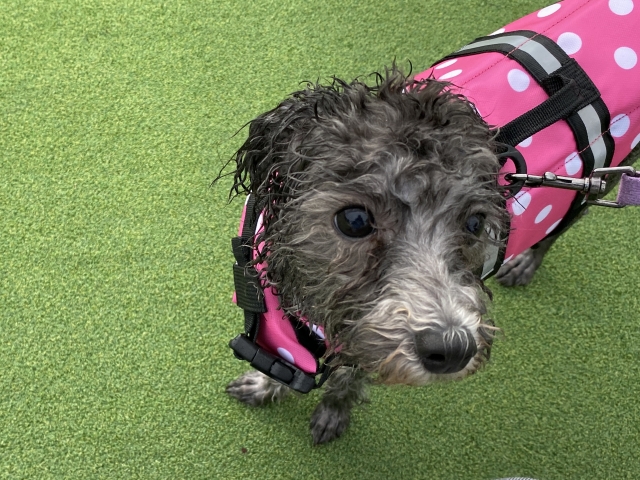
(593, 187)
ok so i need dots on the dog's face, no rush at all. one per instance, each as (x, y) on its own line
(377, 202)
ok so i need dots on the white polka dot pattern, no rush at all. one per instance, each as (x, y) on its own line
(619, 125)
(635, 142)
(447, 63)
(621, 7)
(550, 10)
(518, 80)
(573, 164)
(520, 202)
(625, 57)
(553, 227)
(451, 74)
(544, 213)
(286, 354)
(570, 42)
(526, 142)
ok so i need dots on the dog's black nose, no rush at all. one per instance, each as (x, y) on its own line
(445, 351)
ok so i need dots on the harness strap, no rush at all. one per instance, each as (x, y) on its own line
(542, 58)
(246, 280)
(570, 90)
(250, 297)
(573, 97)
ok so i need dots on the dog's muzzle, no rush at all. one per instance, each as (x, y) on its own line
(445, 351)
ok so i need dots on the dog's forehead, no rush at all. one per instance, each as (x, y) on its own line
(395, 181)
(395, 165)
(413, 182)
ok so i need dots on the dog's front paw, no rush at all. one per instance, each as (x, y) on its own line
(328, 422)
(256, 389)
(520, 270)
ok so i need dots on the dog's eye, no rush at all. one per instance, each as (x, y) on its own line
(354, 222)
(475, 224)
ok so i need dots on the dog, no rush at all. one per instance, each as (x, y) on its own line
(384, 206)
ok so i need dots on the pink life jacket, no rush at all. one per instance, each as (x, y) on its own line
(514, 70)
(563, 85)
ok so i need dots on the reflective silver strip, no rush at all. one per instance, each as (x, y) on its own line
(491, 257)
(539, 53)
(542, 56)
(550, 64)
(591, 121)
(514, 40)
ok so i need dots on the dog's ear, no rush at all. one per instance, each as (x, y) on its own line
(269, 153)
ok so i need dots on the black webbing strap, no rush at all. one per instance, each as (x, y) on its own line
(246, 280)
(573, 97)
(569, 91)
(326, 370)
(553, 69)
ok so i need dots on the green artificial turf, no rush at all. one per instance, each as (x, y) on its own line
(115, 279)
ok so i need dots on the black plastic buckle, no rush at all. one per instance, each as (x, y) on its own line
(272, 366)
(506, 152)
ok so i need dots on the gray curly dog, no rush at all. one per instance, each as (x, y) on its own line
(398, 295)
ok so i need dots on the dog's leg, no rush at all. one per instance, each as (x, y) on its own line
(345, 388)
(520, 270)
(256, 389)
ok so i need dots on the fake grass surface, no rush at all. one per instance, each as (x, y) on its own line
(115, 273)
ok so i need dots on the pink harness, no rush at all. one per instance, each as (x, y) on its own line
(522, 68)
(278, 336)
(285, 348)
